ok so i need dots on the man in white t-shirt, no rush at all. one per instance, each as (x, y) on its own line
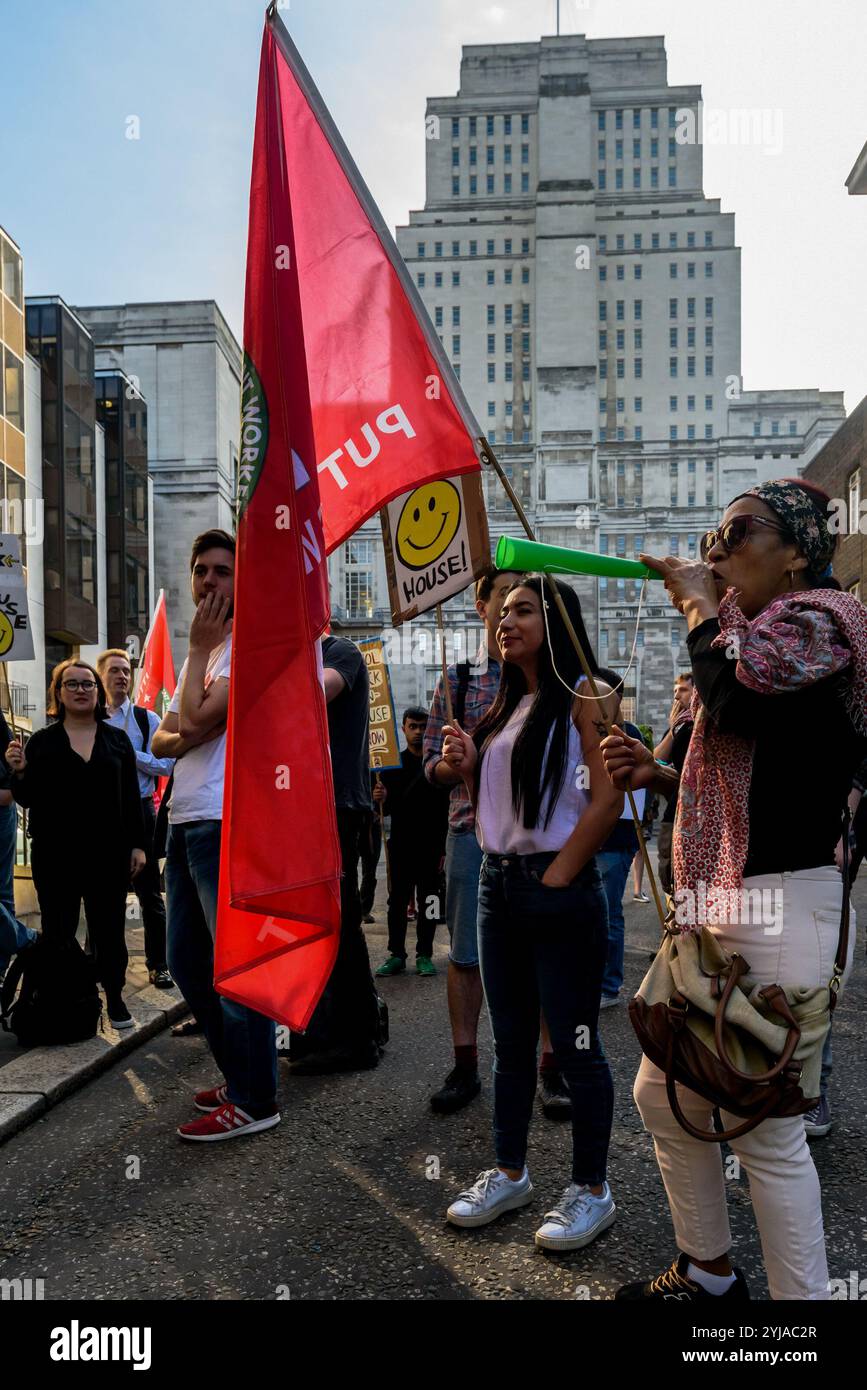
(194, 733)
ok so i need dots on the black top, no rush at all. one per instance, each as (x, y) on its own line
(623, 835)
(348, 716)
(5, 740)
(77, 806)
(419, 810)
(806, 752)
(679, 745)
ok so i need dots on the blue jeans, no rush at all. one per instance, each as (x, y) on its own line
(827, 1066)
(463, 862)
(244, 1043)
(614, 867)
(543, 947)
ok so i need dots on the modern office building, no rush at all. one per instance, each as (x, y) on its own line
(122, 413)
(588, 294)
(184, 360)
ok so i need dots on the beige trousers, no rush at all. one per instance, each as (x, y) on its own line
(797, 948)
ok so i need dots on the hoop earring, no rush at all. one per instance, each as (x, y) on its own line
(791, 579)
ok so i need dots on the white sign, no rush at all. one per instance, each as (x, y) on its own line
(16, 639)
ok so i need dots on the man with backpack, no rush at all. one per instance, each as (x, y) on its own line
(140, 725)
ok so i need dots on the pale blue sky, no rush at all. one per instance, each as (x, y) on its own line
(103, 219)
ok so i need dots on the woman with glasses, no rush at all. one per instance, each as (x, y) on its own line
(779, 661)
(78, 779)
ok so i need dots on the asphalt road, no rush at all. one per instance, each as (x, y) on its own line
(346, 1198)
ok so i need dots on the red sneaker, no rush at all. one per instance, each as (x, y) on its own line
(208, 1101)
(228, 1122)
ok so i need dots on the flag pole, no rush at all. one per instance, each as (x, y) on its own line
(487, 455)
(447, 690)
(9, 698)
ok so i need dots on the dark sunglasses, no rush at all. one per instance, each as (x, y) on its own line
(735, 534)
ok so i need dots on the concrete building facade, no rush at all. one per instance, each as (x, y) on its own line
(184, 360)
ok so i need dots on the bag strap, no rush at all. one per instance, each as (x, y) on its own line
(140, 716)
(843, 939)
(778, 1002)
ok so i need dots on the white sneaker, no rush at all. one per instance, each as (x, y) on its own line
(491, 1194)
(577, 1219)
(609, 1000)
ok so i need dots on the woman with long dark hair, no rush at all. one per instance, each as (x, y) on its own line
(543, 808)
(779, 660)
(78, 778)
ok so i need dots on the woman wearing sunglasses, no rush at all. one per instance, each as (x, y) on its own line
(779, 660)
(78, 778)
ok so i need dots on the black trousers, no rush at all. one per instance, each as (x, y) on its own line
(412, 872)
(147, 890)
(62, 881)
(370, 847)
(347, 1015)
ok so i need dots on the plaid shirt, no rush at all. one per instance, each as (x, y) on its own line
(481, 691)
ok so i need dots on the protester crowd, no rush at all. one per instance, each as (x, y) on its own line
(507, 822)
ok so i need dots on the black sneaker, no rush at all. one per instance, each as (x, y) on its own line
(119, 1015)
(554, 1095)
(160, 978)
(674, 1285)
(461, 1086)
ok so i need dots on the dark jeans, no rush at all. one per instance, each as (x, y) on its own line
(244, 1042)
(666, 831)
(100, 877)
(370, 847)
(8, 841)
(412, 873)
(347, 1015)
(545, 948)
(147, 889)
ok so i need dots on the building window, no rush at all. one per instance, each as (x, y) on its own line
(491, 313)
(621, 370)
(708, 366)
(507, 184)
(507, 275)
(708, 431)
(603, 272)
(618, 179)
(492, 371)
(636, 149)
(474, 185)
(672, 403)
(456, 316)
(672, 431)
(672, 366)
(525, 183)
(654, 176)
(654, 241)
(618, 120)
(603, 243)
(690, 337)
(690, 270)
(621, 272)
(708, 402)
(525, 314)
(708, 270)
(639, 433)
(456, 248)
(490, 279)
(438, 316)
(489, 124)
(603, 370)
(620, 310)
(456, 188)
(757, 427)
(473, 248)
(793, 427)
(638, 337)
(507, 125)
(525, 246)
(525, 124)
(508, 371)
(672, 337)
(637, 270)
(672, 308)
(708, 337)
(690, 366)
(708, 238)
(708, 307)
(637, 367)
(620, 405)
(525, 154)
(490, 183)
(690, 238)
(690, 308)
(603, 341)
(492, 407)
(775, 427)
(672, 270)
(508, 343)
(603, 311)
(620, 342)
(621, 432)
(491, 344)
(690, 402)
(420, 249)
(600, 120)
(690, 431)
(420, 279)
(456, 344)
(638, 404)
(507, 154)
(456, 127)
(603, 434)
(507, 246)
(474, 156)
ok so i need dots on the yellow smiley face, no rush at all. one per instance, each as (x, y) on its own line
(7, 635)
(428, 523)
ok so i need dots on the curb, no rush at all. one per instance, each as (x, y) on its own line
(41, 1077)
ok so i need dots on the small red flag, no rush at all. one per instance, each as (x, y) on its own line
(388, 410)
(280, 856)
(156, 679)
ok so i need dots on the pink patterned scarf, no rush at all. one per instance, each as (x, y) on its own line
(797, 640)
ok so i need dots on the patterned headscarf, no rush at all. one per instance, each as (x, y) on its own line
(803, 519)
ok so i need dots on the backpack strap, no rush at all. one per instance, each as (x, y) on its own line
(140, 715)
(10, 985)
(463, 670)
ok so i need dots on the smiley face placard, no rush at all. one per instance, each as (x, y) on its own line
(436, 541)
(16, 639)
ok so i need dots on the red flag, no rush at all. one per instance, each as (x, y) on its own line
(388, 410)
(156, 674)
(280, 856)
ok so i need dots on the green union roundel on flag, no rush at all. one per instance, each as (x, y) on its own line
(254, 433)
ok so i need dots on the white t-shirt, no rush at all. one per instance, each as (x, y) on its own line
(197, 793)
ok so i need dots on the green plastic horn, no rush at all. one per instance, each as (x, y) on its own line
(524, 556)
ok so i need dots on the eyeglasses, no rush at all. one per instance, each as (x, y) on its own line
(86, 686)
(735, 534)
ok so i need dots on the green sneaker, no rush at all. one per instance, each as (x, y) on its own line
(424, 966)
(393, 966)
